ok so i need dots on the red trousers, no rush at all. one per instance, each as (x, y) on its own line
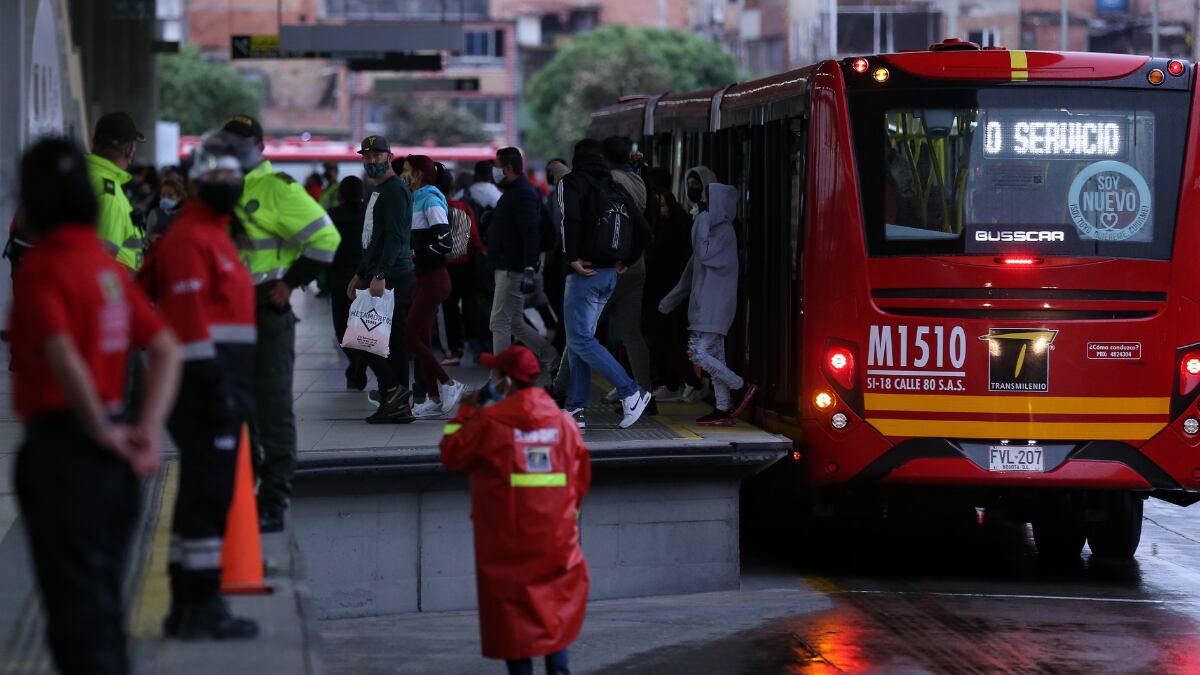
(432, 289)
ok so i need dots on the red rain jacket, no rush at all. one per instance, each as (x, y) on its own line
(529, 472)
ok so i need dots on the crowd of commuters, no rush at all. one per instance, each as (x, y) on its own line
(598, 268)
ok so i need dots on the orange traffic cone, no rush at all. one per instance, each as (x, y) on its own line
(241, 557)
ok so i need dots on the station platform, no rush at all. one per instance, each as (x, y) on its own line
(379, 529)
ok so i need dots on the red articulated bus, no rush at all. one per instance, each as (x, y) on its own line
(965, 270)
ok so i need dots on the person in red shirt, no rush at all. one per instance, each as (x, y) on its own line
(75, 316)
(207, 296)
(529, 473)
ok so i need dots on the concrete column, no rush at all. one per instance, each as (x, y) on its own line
(13, 44)
(119, 69)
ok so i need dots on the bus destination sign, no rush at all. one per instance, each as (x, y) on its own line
(1042, 136)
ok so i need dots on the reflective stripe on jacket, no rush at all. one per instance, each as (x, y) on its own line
(114, 214)
(529, 473)
(281, 223)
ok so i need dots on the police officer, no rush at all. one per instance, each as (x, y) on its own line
(285, 239)
(206, 295)
(75, 316)
(113, 146)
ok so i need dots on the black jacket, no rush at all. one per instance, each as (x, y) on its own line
(387, 225)
(580, 207)
(513, 234)
(348, 219)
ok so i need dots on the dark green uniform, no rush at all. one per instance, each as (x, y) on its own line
(283, 226)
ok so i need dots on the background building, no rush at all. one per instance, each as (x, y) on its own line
(324, 97)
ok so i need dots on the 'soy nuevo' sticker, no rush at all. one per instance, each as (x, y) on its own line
(1109, 201)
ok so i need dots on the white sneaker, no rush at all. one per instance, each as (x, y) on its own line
(686, 392)
(633, 406)
(451, 393)
(696, 395)
(427, 408)
(663, 394)
(611, 397)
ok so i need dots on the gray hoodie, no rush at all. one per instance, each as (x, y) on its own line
(711, 278)
(706, 176)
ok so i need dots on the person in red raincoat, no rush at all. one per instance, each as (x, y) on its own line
(529, 472)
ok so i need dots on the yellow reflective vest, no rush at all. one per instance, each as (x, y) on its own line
(114, 214)
(281, 223)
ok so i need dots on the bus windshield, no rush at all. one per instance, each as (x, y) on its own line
(1042, 171)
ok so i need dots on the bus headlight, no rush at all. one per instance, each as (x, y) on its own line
(839, 421)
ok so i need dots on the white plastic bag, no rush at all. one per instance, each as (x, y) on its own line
(369, 327)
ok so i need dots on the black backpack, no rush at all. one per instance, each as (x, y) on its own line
(611, 238)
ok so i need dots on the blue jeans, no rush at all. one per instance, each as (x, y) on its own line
(583, 302)
(556, 664)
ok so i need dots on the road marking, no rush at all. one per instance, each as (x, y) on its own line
(1012, 596)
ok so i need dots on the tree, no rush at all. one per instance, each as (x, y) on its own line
(201, 95)
(596, 69)
(417, 121)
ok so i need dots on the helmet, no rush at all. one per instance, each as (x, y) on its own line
(223, 157)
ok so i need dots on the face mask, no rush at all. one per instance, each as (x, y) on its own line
(376, 170)
(167, 204)
(694, 194)
(220, 197)
(497, 175)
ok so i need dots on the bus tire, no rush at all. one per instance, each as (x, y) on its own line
(1118, 535)
(1058, 538)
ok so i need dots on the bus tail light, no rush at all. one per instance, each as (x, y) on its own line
(823, 400)
(860, 65)
(1189, 372)
(1175, 68)
(1020, 261)
(839, 365)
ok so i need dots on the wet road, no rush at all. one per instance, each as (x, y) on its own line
(948, 597)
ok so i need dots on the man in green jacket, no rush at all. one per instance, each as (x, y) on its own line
(387, 263)
(113, 146)
(286, 239)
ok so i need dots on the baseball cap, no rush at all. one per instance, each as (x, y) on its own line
(374, 143)
(517, 362)
(245, 126)
(116, 128)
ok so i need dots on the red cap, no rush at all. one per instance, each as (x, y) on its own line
(517, 362)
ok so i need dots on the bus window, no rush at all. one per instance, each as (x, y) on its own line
(1041, 171)
(797, 163)
(678, 167)
(662, 151)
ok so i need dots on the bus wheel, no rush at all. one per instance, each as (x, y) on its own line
(1058, 538)
(1118, 535)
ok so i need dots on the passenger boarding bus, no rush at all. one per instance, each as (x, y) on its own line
(965, 268)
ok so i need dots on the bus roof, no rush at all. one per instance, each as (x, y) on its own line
(948, 60)
(1014, 65)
